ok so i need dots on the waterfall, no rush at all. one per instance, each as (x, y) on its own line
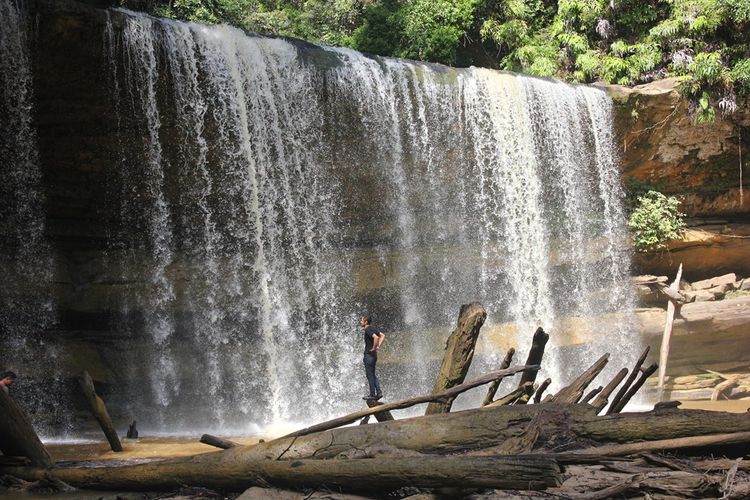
(267, 192)
(26, 263)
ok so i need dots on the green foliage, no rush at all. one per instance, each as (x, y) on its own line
(655, 220)
(624, 41)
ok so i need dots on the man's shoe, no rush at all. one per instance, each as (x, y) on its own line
(370, 398)
(379, 396)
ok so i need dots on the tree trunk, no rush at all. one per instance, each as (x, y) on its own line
(459, 351)
(448, 433)
(366, 474)
(536, 353)
(100, 411)
(224, 444)
(574, 392)
(492, 389)
(629, 381)
(631, 392)
(17, 435)
(383, 416)
(618, 450)
(603, 397)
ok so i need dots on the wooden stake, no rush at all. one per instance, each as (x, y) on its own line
(632, 390)
(602, 398)
(540, 391)
(574, 392)
(536, 353)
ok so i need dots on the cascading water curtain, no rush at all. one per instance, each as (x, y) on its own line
(26, 263)
(271, 191)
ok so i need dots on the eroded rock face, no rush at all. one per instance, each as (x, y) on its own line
(662, 144)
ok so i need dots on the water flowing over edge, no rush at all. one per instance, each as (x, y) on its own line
(274, 191)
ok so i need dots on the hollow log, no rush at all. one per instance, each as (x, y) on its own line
(459, 351)
(366, 474)
(446, 433)
(574, 392)
(446, 395)
(492, 389)
(629, 381)
(536, 353)
(383, 416)
(17, 435)
(99, 410)
(647, 372)
(218, 442)
(601, 400)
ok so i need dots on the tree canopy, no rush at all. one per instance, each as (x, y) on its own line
(707, 42)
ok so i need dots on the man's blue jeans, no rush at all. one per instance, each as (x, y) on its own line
(370, 359)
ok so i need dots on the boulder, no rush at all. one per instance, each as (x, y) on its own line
(744, 285)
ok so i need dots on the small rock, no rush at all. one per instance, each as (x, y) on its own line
(744, 285)
(701, 296)
(717, 281)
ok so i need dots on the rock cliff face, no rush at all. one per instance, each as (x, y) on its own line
(662, 145)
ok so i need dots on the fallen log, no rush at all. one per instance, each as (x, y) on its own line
(602, 398)
(647, 372)
(492, 389)
(615, 450)
(382, 416)
(17, 435)
(447, 433)
(574, 392)
(218, 442)
(629, 381)
(367, 474)
(459, 351)
(445, 395)
(99, 410)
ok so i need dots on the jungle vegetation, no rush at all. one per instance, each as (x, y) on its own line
(707, 42)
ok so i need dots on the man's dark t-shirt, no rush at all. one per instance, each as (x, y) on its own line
(370, 332)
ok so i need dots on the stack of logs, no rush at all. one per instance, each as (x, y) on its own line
(573, 443)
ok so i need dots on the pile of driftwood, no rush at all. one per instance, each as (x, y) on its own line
(573, 443)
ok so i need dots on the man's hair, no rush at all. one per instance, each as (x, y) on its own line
(8, 374)
(367, 318)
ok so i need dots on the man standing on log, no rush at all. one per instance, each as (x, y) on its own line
(373, 340)
(6, 380)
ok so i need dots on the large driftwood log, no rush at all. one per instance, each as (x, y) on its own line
(447, 433)
(17, 435)
(446, 395)
(629, 381)
(366, 474)
(574, 392)
(536, 353)
(99, 410)
(459, 351)
(492, 389)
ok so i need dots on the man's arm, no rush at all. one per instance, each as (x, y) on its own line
(378, 340)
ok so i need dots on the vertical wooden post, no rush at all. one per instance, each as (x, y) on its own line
(459, 351)
(17, 435)
(100, 411)
(667, 336)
